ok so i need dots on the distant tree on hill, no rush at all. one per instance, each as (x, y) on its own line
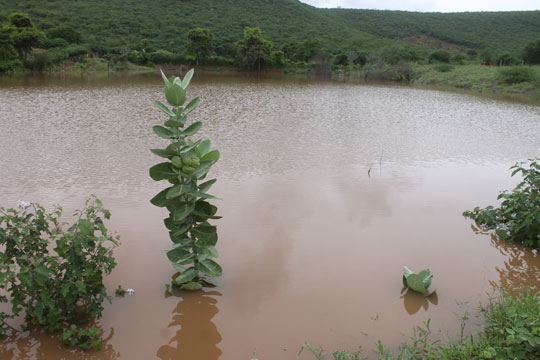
(253, 49)
(8, 54)
(303, 50)
(200, 43)
(532, 52)
(439, 56)
(65, 32)
(24, 34)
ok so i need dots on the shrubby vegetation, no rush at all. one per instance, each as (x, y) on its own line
(55, 276)
(235, 34)
(511, 331)
(517, 219)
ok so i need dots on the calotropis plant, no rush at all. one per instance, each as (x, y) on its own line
(186, 166)
(418, 282)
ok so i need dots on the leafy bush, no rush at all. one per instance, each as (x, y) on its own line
(518, 217)
(516, 75)
(444, 68)
(188, 162)
(439, 56)
(162, 57)
(60, 287)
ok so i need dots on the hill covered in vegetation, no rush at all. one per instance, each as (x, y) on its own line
(253, 34)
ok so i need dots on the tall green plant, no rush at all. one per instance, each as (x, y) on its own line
(187, 165)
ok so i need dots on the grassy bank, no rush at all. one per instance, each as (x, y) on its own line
(522, 81)
(511, 331)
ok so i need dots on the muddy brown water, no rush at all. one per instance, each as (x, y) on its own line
(312, 245)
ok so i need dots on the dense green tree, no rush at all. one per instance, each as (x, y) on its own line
(302, 50)
(507, 59)
(532, 52)
(200, 43)
(65, 32)
(439, 56)
(24, 34)
(8, 54)
(253, 49)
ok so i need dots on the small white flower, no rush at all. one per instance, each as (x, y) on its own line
(130, 291)
(23, 204)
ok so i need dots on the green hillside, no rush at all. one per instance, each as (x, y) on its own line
(500, 31)
(165, 23)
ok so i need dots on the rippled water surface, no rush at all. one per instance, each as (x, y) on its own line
(328, 190)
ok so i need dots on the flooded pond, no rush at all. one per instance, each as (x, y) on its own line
(328, 190)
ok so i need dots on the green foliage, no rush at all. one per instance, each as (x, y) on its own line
(188, 163)
(516, 74)
(200, 43)
(517, 219)
(24, 34)
(506, 59)
(253, 49)
(86, 339)
(318, 353)
(532, 52)
(59, 287)
(65, 32)
(418, 282)
(439, 56)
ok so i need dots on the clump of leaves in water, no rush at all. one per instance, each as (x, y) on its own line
(186, 166)
(60, 288)
(418, 282)
(517, 219)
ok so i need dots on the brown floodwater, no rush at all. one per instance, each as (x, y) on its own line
(328, 190)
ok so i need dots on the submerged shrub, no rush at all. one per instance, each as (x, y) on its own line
(517, 219)
(54, 288)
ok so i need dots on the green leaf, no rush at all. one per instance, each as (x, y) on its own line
(209, 250)
(174, 123)
(165, 80)
(160, 199)
(178, 190)
(163, 153)
(162, 131)
(164, 108)
(162, 171)
(41, 274)
(86, 227)
(211, 156)
(188, 148)
(185, 276)
(205, 186)
(191, 106)
(187, 78)
(176, 255)
(191, 286)
(425, 276)
(201, 170)
(178, 268)
(192, 129)
(183, 210)
(204, 147)
(210, 268)
(206, 233)
(406, 272)
(175, 94)
(415, 283)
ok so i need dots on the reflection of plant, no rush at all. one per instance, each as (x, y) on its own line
(187, 163)
(60, 288)
(518, 217)
(418, 282)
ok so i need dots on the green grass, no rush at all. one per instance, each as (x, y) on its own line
(485, 79)
(512, 331)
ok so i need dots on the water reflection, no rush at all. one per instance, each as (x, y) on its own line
(198, 336)
(34, 344)
(520, 270)
(413, 301)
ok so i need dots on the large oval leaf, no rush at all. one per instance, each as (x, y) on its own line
(175, 94)
(185, 276)
(162, 131)
(211, 156)
(187, 78)
(192, 286)
(192, 129)
(210, 268)
(183, 210)
(162, 171)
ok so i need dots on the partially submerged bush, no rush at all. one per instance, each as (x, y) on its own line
(55, 288)
(518, 217)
